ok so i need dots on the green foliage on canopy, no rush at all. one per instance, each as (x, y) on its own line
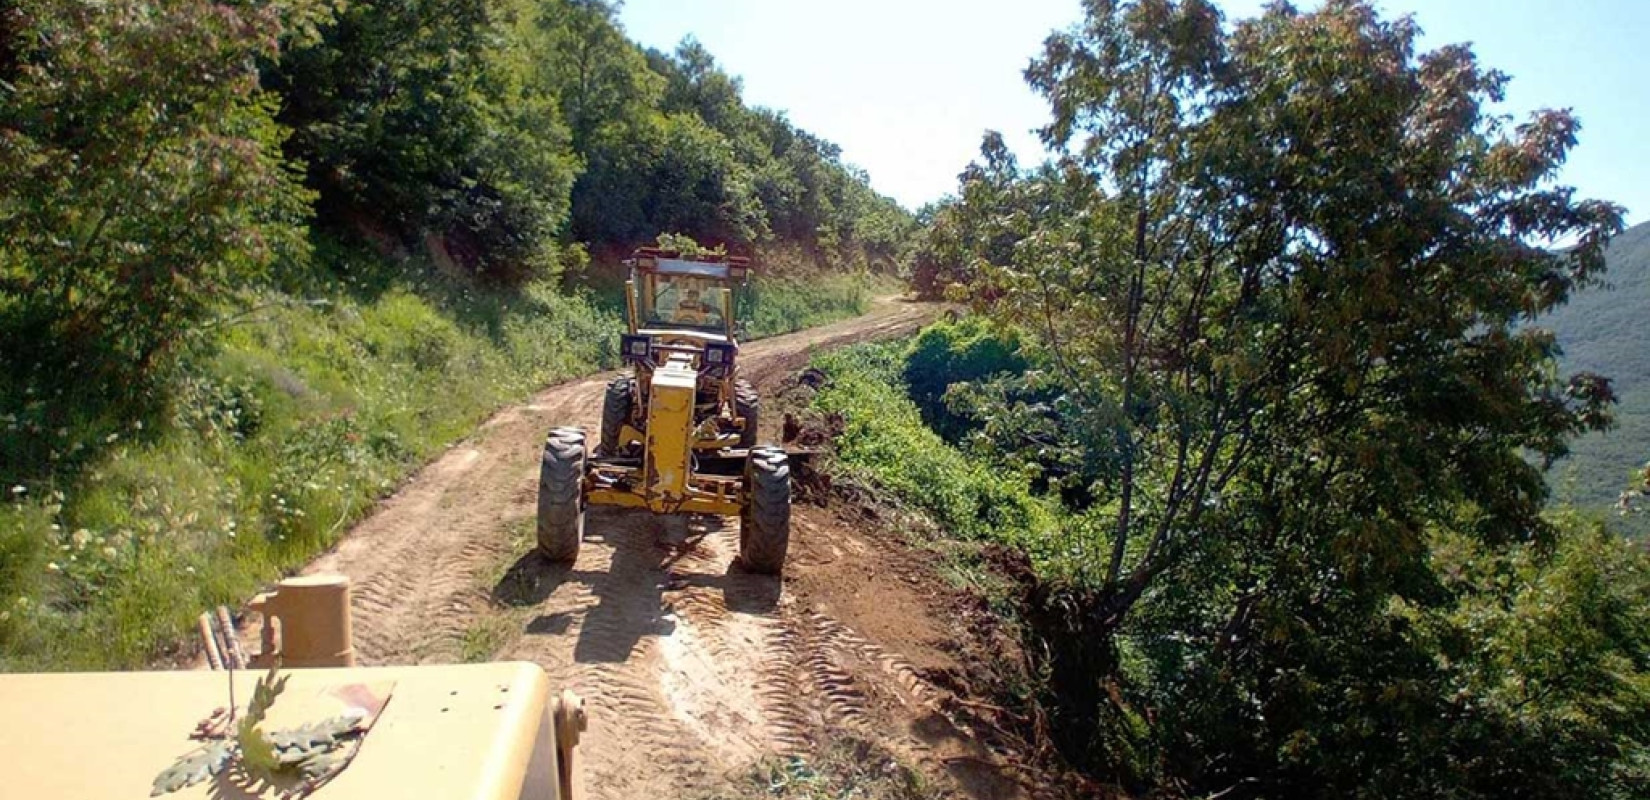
(158, 158)
(506, 127)
(166, 166)
(1276, 296)
(141, 186)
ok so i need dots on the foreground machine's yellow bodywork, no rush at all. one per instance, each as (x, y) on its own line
(482, 731)
(679, 430)
(479, 731)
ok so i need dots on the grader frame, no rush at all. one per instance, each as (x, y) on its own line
(679, 430)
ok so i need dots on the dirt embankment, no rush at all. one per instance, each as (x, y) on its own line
(693, 671)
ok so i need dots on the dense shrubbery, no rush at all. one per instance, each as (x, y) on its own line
(1528, 675)
(1278, 296)
(268, 449)
(966, 351)
(192, 400)
(886, 439)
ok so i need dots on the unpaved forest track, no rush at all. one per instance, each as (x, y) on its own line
(691, 669)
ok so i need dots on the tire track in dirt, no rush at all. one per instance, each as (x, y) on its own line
(691, 669)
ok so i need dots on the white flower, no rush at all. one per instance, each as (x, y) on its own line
(19, 489)
(53, 567)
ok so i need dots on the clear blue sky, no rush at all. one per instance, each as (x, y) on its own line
(906, 87)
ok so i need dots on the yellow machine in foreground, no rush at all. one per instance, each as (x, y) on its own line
(678, 433)
(478, 732)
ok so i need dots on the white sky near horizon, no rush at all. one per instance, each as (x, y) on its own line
(907, 87)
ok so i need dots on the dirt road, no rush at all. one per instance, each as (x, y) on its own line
(692, 670)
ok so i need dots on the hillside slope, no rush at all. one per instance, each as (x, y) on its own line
(1603, 330)
(257, 266)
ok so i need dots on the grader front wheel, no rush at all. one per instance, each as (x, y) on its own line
(765, 518)
(561, 506)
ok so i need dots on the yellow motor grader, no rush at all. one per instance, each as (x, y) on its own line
(679, 429)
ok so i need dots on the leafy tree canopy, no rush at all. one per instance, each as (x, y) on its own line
(1276, 290)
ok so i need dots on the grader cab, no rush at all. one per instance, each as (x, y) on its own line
(679, 429)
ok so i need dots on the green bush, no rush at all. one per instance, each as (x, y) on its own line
(886, 442)
(785, 304)
(305, 415)
(968, 349)
(307, 412)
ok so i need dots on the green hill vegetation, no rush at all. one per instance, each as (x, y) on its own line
(259, 260)
(1602, 330)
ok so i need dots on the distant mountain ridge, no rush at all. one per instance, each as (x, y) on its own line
(1606, 329)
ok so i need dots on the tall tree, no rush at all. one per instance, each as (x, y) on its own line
(600, 76)
(420, 117)
(141, 178)
(1282, 278)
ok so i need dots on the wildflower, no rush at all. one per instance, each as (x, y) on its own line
(19, 489)
(53, 567)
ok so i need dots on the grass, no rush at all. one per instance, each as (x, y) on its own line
(888, 446)
(288, 429)
(845, 768)
(787, 304)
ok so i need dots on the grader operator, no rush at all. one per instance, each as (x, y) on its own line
(679, 429)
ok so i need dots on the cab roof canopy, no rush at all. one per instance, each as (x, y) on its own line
(654, 259)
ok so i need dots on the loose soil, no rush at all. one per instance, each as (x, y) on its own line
(692, 670)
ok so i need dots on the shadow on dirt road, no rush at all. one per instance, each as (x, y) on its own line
(648, 558)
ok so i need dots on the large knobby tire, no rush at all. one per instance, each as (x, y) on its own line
(765, 518)
(561, 501)
(621, 392)
(746, 404)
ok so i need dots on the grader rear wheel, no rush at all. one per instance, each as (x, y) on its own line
(765, 518)
(747, 404)
(561, 503)
(621, 392)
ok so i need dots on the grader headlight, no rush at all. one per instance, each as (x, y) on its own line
(719, 354)
(634, 348)
(719, 359)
